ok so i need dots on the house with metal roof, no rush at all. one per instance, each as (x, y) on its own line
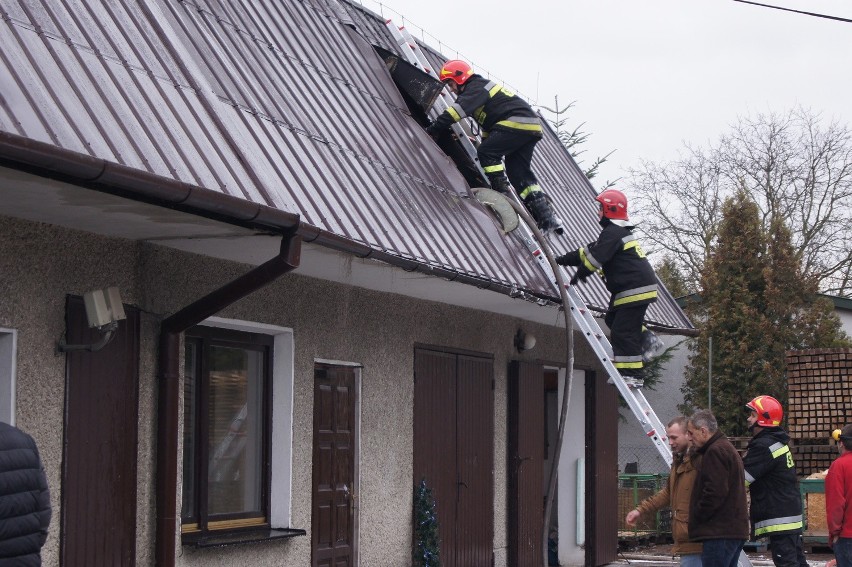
(248, 305)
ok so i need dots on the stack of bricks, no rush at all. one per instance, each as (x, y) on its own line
(819, 390)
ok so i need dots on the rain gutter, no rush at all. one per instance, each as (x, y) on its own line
(47, 160)
(169, 382)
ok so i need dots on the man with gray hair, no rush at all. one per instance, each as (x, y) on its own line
(718, 512)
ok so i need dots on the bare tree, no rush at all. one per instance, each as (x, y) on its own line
(796, 167)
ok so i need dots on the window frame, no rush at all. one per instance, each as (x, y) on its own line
(201, 522)
(282, 399)
(8, 372)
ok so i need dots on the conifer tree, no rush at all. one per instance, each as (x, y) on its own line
(755, 304)
(427, 544)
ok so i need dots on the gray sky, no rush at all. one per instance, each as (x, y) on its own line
(648, 75)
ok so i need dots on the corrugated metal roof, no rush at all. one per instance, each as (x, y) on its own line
(275, 102)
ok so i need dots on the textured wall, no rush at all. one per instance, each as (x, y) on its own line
(40, 264)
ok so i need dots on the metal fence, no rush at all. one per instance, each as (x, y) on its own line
(632, 489)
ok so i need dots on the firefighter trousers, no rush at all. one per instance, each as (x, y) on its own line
(517, 147)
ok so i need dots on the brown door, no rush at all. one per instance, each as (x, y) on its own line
(334, 459)
(99, 461)
(526, 463)
(601, 470)
(454, 450)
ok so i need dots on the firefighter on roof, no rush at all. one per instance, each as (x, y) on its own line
(510, 128)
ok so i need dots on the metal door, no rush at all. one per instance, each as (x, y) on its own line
(333, 541)
(99, 460)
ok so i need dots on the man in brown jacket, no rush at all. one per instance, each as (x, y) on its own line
(718, 513)
(676, 494)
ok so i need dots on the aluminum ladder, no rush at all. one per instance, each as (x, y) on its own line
(583, 319)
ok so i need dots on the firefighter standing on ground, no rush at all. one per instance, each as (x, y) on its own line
(510, 128)
(629, 278)
(770, 473)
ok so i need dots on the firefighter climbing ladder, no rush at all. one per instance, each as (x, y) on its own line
(583, 318)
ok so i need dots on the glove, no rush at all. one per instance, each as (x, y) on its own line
(433, 132)
(574, 279)
(562, 260)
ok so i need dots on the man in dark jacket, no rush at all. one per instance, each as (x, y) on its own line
(718, 513)
(24, 499)
(770, 473)
(629, 278)
(510, 128)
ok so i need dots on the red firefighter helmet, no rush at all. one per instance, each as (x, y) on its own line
(613, 204)
(457, 71)
(768, 409)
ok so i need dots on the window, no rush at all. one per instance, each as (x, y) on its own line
(227, 443)
(238, 344)
(8, 348)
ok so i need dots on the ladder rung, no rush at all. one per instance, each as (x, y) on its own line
(583, 318)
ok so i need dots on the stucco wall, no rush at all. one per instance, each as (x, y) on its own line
(41, 264)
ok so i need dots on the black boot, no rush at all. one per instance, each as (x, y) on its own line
(540, 210)
(500, 184)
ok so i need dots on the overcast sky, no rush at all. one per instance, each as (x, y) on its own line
(648, 75)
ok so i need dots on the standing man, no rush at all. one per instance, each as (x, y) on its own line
(838, 499)
(770, 473)
(24, 499)
(676, 494)
(629, 278)
(510, 128)
(718, 514)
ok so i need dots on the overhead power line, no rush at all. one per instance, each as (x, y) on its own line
(826, 16)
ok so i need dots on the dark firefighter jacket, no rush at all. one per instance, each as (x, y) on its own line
(776, 504)
(492, 106)
(24, 499)
(617, 255)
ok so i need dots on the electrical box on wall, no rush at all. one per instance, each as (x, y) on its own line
(103, 306)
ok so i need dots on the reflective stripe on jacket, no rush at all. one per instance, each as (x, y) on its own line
(770, 474)
(617, 256)
(492, 106)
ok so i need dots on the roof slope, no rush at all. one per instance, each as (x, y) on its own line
(279, 103)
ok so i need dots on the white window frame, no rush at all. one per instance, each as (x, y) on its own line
(8, 373)
(283, 372)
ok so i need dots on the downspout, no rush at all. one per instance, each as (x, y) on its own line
(169, 381)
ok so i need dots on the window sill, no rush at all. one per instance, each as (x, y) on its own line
(239, 538)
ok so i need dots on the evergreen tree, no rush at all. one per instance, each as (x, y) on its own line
(672, 277)
(426, 541)
(574, 138)
(755, 304)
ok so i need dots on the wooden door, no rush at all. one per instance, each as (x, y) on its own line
(99, 460)
(601, 470)
(454, 450)
(333, 526)
(526, 462)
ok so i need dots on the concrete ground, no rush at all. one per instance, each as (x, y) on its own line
(660, 556)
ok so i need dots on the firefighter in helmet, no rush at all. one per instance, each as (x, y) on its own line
(629, 277)
(770, 474)
(510, 130)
